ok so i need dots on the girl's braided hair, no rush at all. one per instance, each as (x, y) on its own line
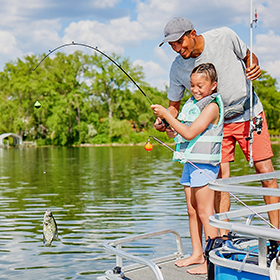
(208, 69)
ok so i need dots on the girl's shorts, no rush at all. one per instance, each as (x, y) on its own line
(200, 175)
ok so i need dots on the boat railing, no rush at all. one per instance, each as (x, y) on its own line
(115, 247)
(224, 220)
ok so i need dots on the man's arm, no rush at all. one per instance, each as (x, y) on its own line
(174, 107)
(252, 71)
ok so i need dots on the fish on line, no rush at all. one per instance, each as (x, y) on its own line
(49, 228)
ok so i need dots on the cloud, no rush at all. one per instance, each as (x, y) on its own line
(267, 50)
(268, 13)
(112, 37)
(267, 45)
(273, 68)
(154, 73)
(9, 48)
(164, 54)
(204, 14)
(16, 10)
(8, 43)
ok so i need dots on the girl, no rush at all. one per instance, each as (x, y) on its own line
(198, 134)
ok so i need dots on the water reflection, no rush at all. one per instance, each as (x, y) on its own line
(95, 194)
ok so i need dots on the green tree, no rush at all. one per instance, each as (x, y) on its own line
(63, 92)
(85, 98)
(17, 90)
(266, 88)
(109, 85)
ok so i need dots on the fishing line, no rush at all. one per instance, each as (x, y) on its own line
(214, 180)
(38, 105)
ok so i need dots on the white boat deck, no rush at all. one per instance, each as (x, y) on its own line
(168, 269)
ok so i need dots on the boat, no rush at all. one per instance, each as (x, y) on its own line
(256, 254)
(249, 252)
(158, 268)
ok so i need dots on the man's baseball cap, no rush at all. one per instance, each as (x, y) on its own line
(175, 29)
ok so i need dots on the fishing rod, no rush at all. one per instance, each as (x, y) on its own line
(108, 57)
(214, 180)
(252, 128)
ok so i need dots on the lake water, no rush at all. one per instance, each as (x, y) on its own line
(96, 194)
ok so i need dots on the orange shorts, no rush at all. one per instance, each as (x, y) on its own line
(237, 132)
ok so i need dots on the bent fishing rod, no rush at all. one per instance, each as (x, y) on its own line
(214, 180)
(108, 57)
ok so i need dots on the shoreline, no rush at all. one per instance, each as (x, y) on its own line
(273, 142)
(118, 145)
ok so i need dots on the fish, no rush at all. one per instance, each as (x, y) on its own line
(49, 228)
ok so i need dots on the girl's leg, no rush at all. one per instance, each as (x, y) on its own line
(205, 207)
(195, 227)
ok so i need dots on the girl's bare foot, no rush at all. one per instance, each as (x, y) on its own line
(201, 269)
(190, 261)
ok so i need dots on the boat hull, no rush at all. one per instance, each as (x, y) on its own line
(225, 273)
(231, 267)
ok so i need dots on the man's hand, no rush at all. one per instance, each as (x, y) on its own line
(253, 72)
(159, 125)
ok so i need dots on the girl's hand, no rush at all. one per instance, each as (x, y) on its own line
(159, 111)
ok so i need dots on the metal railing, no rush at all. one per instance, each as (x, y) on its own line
(222, 220)
(115, 247)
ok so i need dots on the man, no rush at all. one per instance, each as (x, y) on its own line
(231, 58)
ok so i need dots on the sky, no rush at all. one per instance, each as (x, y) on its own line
(132, 29)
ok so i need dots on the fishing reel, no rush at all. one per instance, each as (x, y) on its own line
(258, 124)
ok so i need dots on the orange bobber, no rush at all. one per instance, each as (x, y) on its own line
(148, 146)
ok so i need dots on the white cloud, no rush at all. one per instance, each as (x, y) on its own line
(105, 3)
(9, 48)
(165, 54)
(273, 68)
(112, 37)
(8, 43)
(267, 50)
(268, 13)
(154, 73)
(205, 14)
(267, 45)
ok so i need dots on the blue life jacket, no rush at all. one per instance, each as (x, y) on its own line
(205, 147)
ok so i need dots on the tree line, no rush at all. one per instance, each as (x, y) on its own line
(87, 99)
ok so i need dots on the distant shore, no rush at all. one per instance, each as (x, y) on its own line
(274, 141)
